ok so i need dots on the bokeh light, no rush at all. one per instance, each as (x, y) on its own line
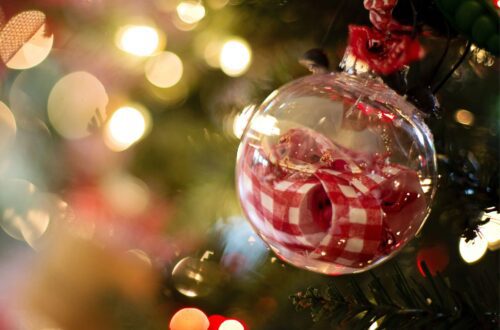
(126, 126)
(126, 194)
(217, 4)
(74, 100)
(473, 250)
(189, 319)
(231, 325)
(183, 26)
(464, 117)
(190, 11)
(34, 51)
(139, 40)
(235, 57)
(491, 229)
(164, 70)
(8, 128)
(31, 88)
(171, 95)
(211, 53)
(25, 216)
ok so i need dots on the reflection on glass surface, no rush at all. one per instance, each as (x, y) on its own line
(241, 120)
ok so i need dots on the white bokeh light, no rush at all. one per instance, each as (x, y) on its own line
(491, 229)
(8, 127)
(231, 325)
(139, 40)
(74, 100)
(164, 70)
(235, 57)
(190, 11)
(473, 250)
(127, 125)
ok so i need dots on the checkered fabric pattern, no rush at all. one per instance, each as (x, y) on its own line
(381, 15)
(331, 215)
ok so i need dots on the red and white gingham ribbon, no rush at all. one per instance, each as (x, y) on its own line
(381, 15)
(333, 214)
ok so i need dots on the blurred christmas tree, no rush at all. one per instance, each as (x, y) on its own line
(120, 121)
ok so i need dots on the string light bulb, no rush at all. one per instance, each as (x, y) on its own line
(235, 57)
(126, 126)
(474, 249)
(190, 12)
(138, 40)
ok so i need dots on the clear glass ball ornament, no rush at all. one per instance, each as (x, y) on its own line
(193, 277)
(336, 172)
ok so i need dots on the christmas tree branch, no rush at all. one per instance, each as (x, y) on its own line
(415, 305)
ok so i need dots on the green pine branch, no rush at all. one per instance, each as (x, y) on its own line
(433, 304)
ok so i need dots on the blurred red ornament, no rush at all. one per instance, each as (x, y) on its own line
(385, 53)
(436, 258)
(215, 321)
(4, 325)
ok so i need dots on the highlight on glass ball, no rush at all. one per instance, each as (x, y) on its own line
(336, 173)
(194, 277)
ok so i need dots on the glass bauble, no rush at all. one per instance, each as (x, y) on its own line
(336, 172)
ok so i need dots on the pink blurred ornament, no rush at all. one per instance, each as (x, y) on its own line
(436, 257)
(215, 321)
